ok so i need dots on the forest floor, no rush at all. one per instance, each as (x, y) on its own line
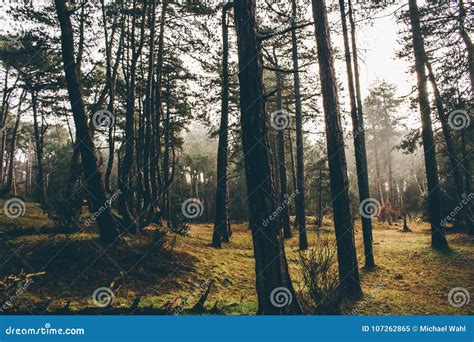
(410, 277)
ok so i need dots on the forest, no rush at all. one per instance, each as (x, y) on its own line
(246, 157)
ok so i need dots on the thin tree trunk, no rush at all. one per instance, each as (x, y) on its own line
(148, 203)
(38, 132)
(3, 120)
(359, 146)
(92, 175)
(111, 73)
(438, 239)
(319, 216)
(272, 275)
(11, 164)
(125, 180)
(284, 198)
(349, 282)
(467, 170)
(300, 199)
(221, 231)
(155, 153)
(468, 42)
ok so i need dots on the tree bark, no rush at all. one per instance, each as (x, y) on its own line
(300, 219)
(155, 145)
(221, 231)
(453, 160)
(11, 164)
(95, 186)
(270, 261)
(359, 146)
(38, 132)
(349, 283)
(148, 203)
(284, 198)
(359, 143)
(129, 141)
(438, 239)
(468, 42)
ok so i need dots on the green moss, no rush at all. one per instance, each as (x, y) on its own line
(410, 277)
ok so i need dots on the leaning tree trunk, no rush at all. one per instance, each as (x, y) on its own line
(438, 239)
(272, 275)
(359, 146)
(453, 160)
(92, 175)
(300, 218)
(346, 252)
(221, 231)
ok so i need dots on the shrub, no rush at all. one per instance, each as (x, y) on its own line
(318, 269)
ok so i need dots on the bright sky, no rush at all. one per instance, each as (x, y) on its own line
(380, 62)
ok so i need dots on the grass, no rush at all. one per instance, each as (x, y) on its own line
(410, 277)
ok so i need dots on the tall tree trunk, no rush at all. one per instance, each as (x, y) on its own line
(148, 203)
(284, 198)
(125, 181)
(155, 144)
(453, 160)
(292, 163)
(221, 231)
(272, 275)
(3, 119)
(468, 42)
(111, 73)
(92, 175)
(300, 199)
(166, 159)
(38, 132)
(359, 146)
(11, 164)
(346, 251)
(438, 239)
